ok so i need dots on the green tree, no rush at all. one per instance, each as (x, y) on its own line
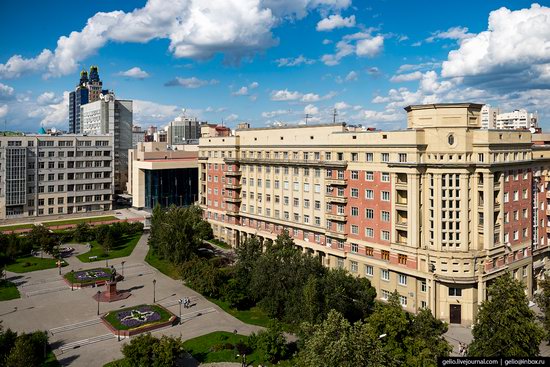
(270, 343)
(7, 342)
(157, 219)
(108, 242)
(101, 232)
(28, 350)
(278, 278)
(505, 326)
(147, 351)
(543, 301)
(42, 238)
(237, 291)
(336, 342)
(425, 341)
(83, 232)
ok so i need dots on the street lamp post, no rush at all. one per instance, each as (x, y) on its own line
(154, 291)
(59, 265)
(123, 268)
(98, 295)
(180, 301)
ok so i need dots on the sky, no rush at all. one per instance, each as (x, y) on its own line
(273, 61)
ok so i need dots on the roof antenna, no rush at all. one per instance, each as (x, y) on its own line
(307, 116)
(334, 114)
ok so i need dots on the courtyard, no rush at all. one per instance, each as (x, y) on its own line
(77, 334)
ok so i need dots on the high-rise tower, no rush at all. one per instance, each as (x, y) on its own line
(77, 98)
(95, 84)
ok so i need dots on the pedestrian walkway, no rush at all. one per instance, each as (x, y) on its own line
(77, 336)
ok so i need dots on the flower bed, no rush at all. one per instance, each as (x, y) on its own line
(88, 278)
(138, 319)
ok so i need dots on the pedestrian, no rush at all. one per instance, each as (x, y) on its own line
(460, 351)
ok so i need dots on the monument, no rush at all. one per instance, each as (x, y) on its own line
(111, 294)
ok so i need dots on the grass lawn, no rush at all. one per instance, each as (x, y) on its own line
(71, 276)
(122, 248)
(219, 243)
(51, 361)
(79, 220)
(202, 350)
(164, 266)
(32, 263)
(15, 227)
(8, 291)
(254, 316)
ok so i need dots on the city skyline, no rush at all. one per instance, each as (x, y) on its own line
(274, 61)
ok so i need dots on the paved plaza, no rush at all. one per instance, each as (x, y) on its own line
(76, 333)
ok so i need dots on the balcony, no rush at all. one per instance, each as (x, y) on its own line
(233, 186)
(231, 199)
(341, 236)
(548, 194)
(232, 212)
(336, 182)
(548, 212)
(336, 199)
(233, 173)
(401, 204)
(548, 230)
(337, 217)
(401, 225)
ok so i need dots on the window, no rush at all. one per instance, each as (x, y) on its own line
(423, 287)
(385, 196)
(385, 295)
(369, 271)
(354, 175)
(385, 274)
(516, 195)
(354, 229)
(385, 177)
(354, 247)
(402, 157)
(402, 259)
(369, 176)
(403, 301)
(385, 235)
(369, 194)
(480, 157)
(455, 292)
(369, 157)
(369, 213)
(385, 255)
(353, 266)
(354, 157)
(402, 279)
(355, 211)
(354, 193)
(385, 157)
(506, 198)
(369, 232)
(385, 216)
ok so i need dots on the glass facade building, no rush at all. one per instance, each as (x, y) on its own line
(171, 186)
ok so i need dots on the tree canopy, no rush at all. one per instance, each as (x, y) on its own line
(505, 326)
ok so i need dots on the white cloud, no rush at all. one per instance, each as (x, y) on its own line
(4, 110)
(195, 29)
(253, 85)
(422, 66)
(135, 73)
(47, 98)
(310, 97)
(415, 75)
(360, 44)
(371, 116)
(151, 113)
(192, 82)
(352, 76)
(453, 33)
(369, 47)
(341, 106)
(512, 50)
(327, 42)
(311, 109)
(285, 95)
(243, 91)
(373, 71)
(335, 21)
(6, 92)
(270, 114)
(289, 61)
(232, 117)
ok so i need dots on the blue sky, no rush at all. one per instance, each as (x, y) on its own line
(264, 61)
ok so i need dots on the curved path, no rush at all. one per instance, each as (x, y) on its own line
(77, 335)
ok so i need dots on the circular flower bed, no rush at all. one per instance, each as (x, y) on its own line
(89, 277)
(138, 319)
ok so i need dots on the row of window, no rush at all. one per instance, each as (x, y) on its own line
(60, 143)
(61, 188)
(70, 176)
(70, 164)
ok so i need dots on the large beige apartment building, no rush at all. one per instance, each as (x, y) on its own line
(436, 211)
(55, 174)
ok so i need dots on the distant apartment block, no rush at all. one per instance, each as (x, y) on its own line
(62, 174)
(109, 115)
(493, 118)
(436, 212)
(183, 130)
